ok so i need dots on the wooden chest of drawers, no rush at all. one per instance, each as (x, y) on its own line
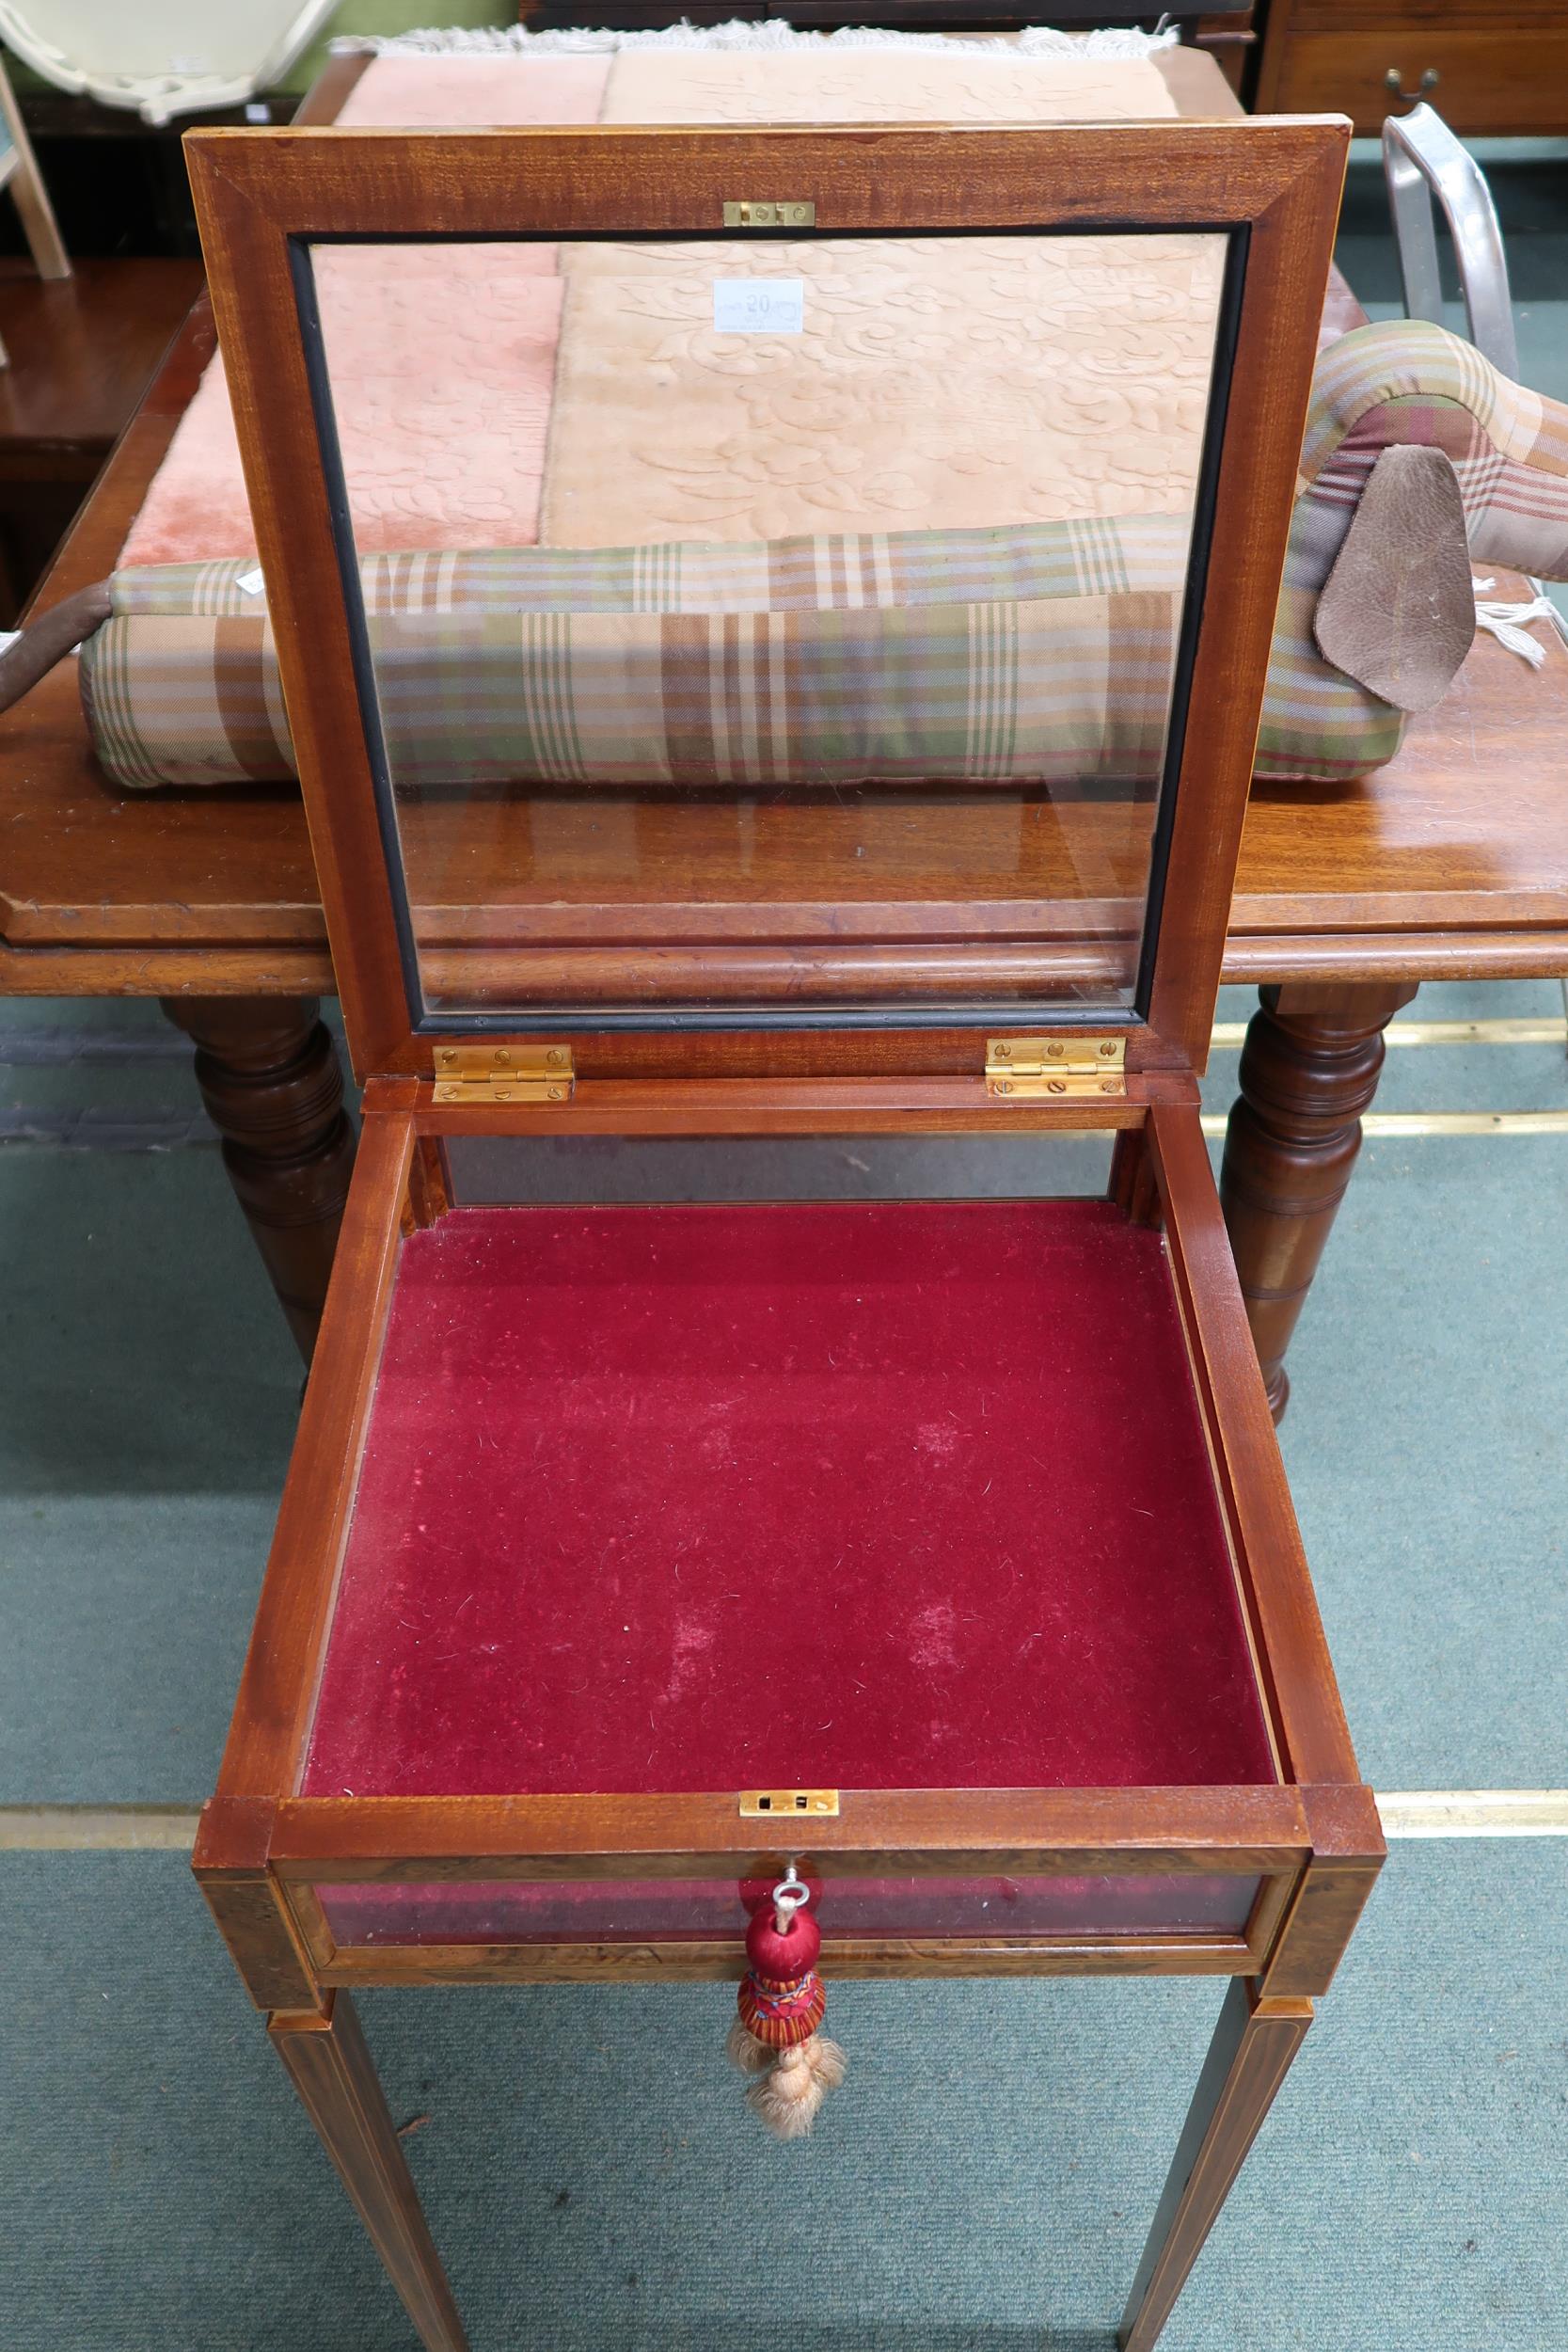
(1489, 70)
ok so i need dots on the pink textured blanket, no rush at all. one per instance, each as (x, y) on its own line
(441, 370)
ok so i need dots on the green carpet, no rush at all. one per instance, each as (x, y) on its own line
(982, 2184)
(150, 1394)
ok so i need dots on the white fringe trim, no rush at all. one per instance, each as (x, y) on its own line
(510, 40)
(1504, 622)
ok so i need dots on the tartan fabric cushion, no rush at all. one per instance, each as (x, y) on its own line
(1041, 652)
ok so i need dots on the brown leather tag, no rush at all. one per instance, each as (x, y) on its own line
(1398, 612)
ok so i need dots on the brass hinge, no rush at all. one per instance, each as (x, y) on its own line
(1027, 1069)
(503, 1073)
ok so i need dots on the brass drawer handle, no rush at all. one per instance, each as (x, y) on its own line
(1394, 80)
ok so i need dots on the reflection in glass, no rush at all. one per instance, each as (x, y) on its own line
(781, 625)
(629, 1911)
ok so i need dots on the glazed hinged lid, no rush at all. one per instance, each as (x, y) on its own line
(776, 581)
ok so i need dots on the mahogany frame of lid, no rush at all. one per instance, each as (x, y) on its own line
(1273, 187)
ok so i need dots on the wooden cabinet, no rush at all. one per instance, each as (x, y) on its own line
(1489, 71)
(929, 1557)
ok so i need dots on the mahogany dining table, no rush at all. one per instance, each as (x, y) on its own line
(1450, 863)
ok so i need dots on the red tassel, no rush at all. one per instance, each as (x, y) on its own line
(779, 2006)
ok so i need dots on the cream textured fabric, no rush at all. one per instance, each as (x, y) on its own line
(939, 383)
(940, 82)
(511, 40)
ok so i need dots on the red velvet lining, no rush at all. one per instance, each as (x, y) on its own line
(829, 1494)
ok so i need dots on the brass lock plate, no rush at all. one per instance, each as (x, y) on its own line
(780, 213)
(757, 1803)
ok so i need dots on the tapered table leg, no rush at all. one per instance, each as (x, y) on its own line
(1310, 1067)
(1248, 2058)
(269, 1075)
(332, 2069)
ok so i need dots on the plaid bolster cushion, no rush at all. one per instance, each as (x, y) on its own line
(1402, 382)
(976, 656)
(972, 655)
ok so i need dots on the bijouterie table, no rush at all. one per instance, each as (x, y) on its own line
(1346, 899)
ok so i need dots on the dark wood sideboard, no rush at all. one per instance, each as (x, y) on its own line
(1492, 68)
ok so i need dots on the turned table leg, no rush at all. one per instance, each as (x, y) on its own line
(1248, 2058)
(269, 1075)
(1309, 1068)
(332, 2070)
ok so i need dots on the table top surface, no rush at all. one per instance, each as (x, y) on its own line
(1451, 862)
(82, 349)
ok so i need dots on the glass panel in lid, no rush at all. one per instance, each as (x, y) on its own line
(786, 627)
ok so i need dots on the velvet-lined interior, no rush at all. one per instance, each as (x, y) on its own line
(815, 1494)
